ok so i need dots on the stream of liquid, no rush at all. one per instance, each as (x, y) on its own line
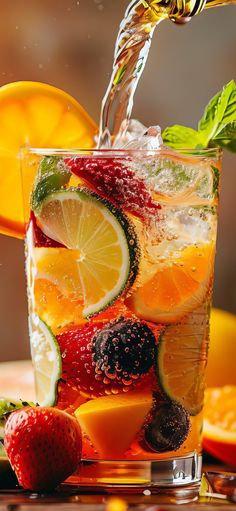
(131, 53)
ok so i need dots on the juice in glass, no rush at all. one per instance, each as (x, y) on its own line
(120, 249)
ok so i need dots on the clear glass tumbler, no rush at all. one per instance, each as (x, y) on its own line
(120, 250)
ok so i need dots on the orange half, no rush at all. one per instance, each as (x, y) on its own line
(34, 114)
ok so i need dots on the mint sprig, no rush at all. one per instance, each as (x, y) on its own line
(217, 126)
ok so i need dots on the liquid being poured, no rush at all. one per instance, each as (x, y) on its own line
(131, 53)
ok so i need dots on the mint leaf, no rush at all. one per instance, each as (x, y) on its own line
(227, 137)
(220, 111)
(180, 137)
(216, 128)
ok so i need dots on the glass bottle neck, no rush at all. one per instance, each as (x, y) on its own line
(181, 11)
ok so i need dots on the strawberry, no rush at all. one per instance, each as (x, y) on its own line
(116, 182)
(43, 446)
(95, 358)
(78, 368)
(40, 239)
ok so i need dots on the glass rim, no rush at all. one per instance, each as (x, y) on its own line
(197, 153)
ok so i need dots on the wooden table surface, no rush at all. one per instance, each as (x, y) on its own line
(16, 381)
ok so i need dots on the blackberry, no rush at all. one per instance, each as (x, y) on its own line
(168, 429)
(124, 349)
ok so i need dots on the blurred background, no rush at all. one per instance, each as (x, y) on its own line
(69, 44)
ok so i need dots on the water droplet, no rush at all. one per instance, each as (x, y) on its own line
(147, 492)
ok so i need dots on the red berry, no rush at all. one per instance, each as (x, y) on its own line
(116, 182)
(80, 369)
(40, 239)
(43, 446)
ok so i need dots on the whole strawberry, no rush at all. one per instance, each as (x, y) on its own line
(43, 446)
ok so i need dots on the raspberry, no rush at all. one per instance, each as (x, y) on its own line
(116, 182)
(84, 368)
(40, 239)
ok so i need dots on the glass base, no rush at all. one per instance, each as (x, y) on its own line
(139, 475)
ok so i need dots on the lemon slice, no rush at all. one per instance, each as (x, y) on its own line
(182, 358)
(46, 360)
(103, 255)
(36, 115)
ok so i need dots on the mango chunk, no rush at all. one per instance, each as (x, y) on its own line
(112, 422)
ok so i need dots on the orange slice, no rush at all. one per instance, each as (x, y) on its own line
(112, 422)
(177, 287)
(54, 308)
(219, 431)
(36, 115)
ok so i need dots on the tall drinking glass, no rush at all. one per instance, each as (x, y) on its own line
(120, 250)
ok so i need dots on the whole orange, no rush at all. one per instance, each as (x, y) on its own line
(219, 431)
(222, 351)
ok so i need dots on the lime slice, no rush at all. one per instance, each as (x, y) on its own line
(103, 255)
(52, 175)
(46, 360)
(182, 358)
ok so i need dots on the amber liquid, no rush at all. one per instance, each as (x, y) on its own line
(131, 53)
(171, 296)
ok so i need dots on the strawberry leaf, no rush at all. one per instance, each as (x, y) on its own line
(7, 406)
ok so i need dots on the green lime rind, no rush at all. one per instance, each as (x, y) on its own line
(44, 346)
(52, 175)
(126, 230)
(193, 408)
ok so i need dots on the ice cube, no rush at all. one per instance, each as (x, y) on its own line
(176, 229)
(134, 135)
(181, 180)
